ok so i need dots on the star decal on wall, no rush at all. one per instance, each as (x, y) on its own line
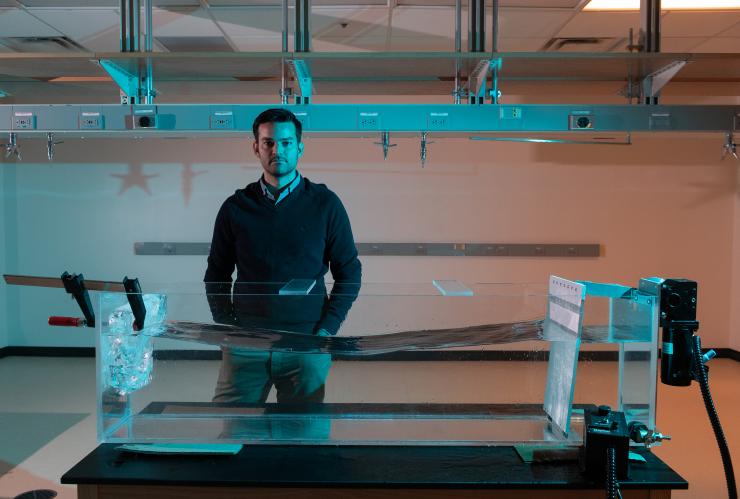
(134, 178)
(188, 175)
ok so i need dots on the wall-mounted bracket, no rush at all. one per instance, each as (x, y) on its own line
(301, 73)
(495, 92)
(423, 148)
(729, 148)
(653, 83)
(136, 90)
(385, 142)
(50, 143)
(477, 82)
(12, 147)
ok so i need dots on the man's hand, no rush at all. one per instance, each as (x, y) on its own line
(323, 332)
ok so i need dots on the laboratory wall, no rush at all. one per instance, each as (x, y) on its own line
(4, 316)
(661, 206)
(735, 295)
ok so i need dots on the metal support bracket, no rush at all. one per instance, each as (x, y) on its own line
(127, 82)
(477, 82)
(301, 73)
(653, 83)
(495, 90)
(134, 87)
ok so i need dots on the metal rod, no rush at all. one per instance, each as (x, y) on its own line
(477, 26)
(122, 26)
(134, 17)
(494, 27)
(650, 25)
(285, 26)
(302, 33)
(458, 25)
(149, 40)
(458, 48)
(148, 47)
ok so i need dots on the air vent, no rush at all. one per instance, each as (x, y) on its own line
(41, 44)
(585, 44)
(195, 43)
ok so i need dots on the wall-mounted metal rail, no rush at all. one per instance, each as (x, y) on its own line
(365, 119)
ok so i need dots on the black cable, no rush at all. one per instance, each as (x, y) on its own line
(612, 485)
(700, 374)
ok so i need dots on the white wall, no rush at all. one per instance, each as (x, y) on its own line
(658, 207)
(4, 317)
(735, 295)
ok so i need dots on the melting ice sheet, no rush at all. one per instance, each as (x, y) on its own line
(253, 338)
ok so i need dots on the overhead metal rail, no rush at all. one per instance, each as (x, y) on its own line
(365, 119)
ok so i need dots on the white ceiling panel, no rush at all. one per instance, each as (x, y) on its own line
(340, 45)
(438, 21)
(521, 44)
(105, 41)
(15, 22)
(185, 22)
(250, 21)
(720, 44)
(527, 23)
(69, 3)
(680, 44)
(359, 21)
(697, 23)
(260, 43)
(601, 24)
(79, 24)
(421, 44)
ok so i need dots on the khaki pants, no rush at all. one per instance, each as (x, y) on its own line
(248, 376)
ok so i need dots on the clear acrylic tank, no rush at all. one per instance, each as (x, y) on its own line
(432, 363)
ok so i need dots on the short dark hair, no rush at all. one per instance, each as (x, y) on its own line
(276, 115)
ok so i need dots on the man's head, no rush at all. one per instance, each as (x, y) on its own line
(277, 144)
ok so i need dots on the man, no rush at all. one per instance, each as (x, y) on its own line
(280, 228)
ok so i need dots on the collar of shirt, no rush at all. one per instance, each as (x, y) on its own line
(284, 192)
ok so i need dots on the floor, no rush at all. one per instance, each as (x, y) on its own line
(47, 406)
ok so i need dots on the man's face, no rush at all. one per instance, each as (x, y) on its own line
(278, 149)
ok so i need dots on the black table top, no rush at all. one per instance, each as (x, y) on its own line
(356, 466)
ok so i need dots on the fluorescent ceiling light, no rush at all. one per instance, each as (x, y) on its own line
(664, 5)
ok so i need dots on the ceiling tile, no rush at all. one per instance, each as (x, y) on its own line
(719, 44)
(70, 3)
(525, 23)
(680, 44)
(15, 22)
(601, 24)
(184, 22)
(344, 45)
(251, 21)
(349, 21)
(260, 43)
(521, 44)
(79, 24)
(697, 23)
(438, 21)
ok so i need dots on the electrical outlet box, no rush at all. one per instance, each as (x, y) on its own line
(24, 121)
(368, 121)
(91, 121)
(438, 121)
(511, 113)
(581, 122)
(222, 120)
